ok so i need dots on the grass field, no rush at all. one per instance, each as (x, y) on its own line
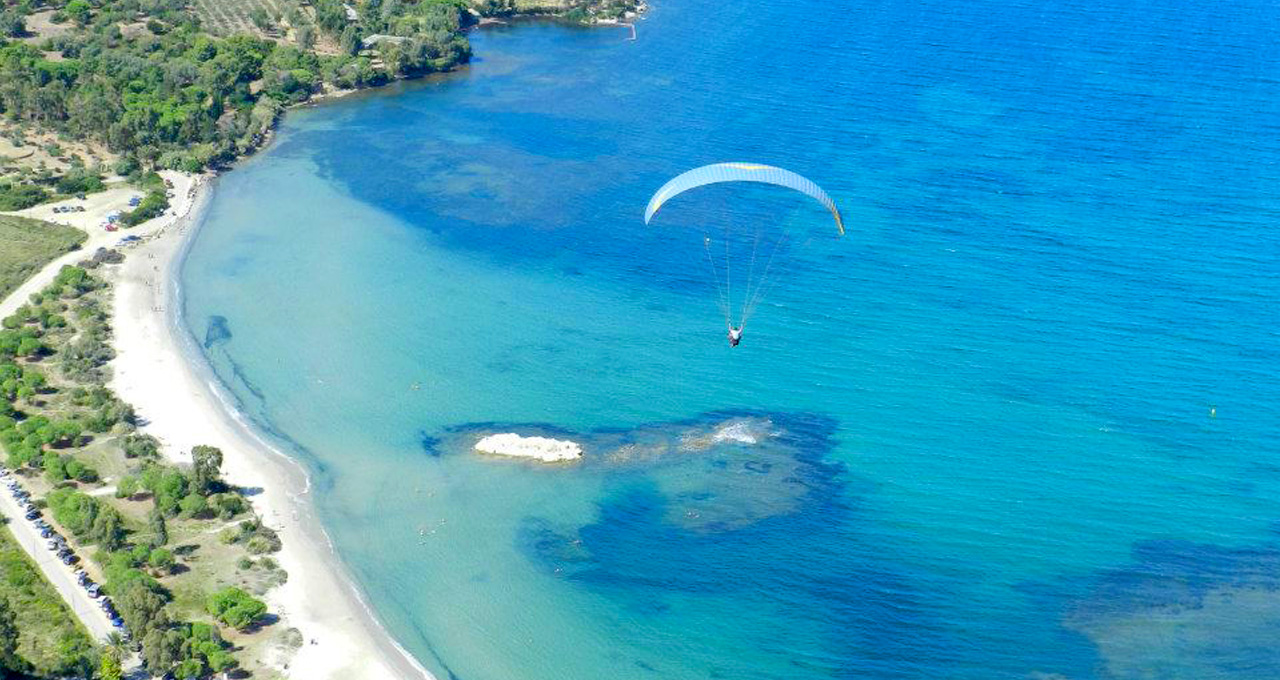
(48, 635)
(27, 245)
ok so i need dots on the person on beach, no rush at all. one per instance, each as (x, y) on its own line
(735, 336)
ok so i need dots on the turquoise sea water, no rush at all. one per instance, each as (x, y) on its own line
(1022, 422)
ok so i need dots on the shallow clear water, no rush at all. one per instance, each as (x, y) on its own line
(1022, 420)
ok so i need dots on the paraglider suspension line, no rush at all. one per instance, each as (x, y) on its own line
(715, 275)
(764, 285)
(728, 281)
(751, 271)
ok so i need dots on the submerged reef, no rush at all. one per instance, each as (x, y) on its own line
(1177, 609)
(734, 468)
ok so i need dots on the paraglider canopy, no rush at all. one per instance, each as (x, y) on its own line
(742, 243)
(741, 172)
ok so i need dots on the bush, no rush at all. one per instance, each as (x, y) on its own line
(79, 181)
(55, 469)
(228, 505)
(141, 446)
(235, 607)
(87, 518)
(21, 196)
(80, 472)
(162, 560)
(127, 486)
(153, 205)
(194, 506)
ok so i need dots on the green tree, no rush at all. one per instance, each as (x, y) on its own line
(109, 668)
(260, 18)
(194, 506)
(141, 446)
(206, 467)
(189, 669)
(12, 24)
(162, 560)
(235, 607)
(162, 649)
(78, 11)
(306, 37)
(159, 530)
(55, 469)
(108, 529)
(140, 607)
(117, 646)
(9, 659)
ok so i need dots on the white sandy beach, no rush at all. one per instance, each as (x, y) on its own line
(182, 407)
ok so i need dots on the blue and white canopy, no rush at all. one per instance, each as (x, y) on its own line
(741, 172)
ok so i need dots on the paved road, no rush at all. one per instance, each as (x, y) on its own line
(60, 575)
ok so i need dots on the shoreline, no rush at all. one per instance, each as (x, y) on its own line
(181, 402)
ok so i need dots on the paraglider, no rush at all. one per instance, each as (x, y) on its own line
(756, 288)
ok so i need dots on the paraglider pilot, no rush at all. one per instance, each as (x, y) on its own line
(735, 336)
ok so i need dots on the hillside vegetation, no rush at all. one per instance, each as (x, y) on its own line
(179, 84)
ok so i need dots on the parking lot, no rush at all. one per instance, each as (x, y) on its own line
(32, 530)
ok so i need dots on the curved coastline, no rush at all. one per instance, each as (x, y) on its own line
(160, 370)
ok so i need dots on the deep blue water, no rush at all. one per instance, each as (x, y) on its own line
(1021, 422)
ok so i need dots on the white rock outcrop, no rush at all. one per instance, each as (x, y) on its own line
(538, 448)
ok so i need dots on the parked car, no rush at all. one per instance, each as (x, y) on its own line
(117, 622)
(94, 590)
(70, 559)
(33, 515)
